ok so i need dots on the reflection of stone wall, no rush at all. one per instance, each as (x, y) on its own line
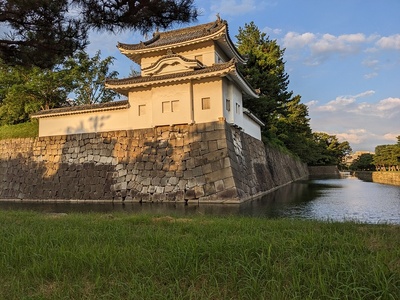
(209, 162)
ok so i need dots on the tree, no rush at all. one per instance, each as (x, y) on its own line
(43, 32)
(293, 128)
(26, 90)
(387, 157)
(363, 163)
(88, 76)
(327, 150)
(286, 118)
(40, 33)
(265, 71)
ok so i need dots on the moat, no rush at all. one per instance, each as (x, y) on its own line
(345, 199)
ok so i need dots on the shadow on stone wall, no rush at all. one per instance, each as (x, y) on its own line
(210, 162)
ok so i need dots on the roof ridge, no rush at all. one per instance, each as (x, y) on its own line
(206, 69)
(76, 108)
(176, 35)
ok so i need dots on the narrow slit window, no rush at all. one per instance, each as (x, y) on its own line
(228, 104)
(166, 106)
(175, 105)
(237, 108)
(205, 103)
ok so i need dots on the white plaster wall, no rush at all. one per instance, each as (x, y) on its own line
(169, 93)
(227, 94)
(203, 89)
(139, 97)
(84, 123)
(237, 100)
(251, 128)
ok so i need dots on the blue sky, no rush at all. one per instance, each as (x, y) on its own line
(342, 57)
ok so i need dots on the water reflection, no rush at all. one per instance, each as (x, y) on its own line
(322, 199)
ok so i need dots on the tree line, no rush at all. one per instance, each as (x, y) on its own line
(42, 61)
(386, 158)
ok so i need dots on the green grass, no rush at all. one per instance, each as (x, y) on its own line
(121, 256)
(23, 130)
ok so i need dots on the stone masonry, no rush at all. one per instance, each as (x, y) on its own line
(209, 162)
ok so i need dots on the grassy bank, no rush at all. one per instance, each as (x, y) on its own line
(23, 130)
(120, 256)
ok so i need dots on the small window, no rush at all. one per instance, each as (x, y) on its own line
(142, 110)
(228, 104)
(218, 59)
(237, 108)
(199, 58)
(205, 103)
(166, 106)
(175, 105)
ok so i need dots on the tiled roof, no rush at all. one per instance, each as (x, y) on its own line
(82, 108)
(141, 79)
(177, 36)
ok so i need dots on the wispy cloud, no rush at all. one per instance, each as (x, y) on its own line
(272, 31)
(342, 101)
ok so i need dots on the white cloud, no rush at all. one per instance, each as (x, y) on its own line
(353, 136)
(317, 48)
(391, 136)
(388, 104)
(389, 42)
(293, 40)
(363, 124)
(312, 103)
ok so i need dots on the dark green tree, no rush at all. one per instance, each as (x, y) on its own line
(363, 163)
(293, 129)
(88, 75)
(44, 32)
(327, 150)
(265, 71)
(387, 157)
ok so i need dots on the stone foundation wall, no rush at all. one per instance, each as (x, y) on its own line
(210, 162)
(323, 171)
(385, 177)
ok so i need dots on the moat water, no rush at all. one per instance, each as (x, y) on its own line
(344, 199)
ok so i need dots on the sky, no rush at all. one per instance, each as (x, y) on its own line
(342, 58)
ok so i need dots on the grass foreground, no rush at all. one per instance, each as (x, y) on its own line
(23, 130)
(125, 256)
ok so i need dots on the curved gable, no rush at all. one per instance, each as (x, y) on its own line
(172, 63)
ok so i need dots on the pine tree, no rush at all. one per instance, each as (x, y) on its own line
(44, 32)
(265, 71)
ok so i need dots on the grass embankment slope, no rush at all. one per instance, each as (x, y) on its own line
(120, 256)
(23, 130)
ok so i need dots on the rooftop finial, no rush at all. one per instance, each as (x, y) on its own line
(156, 32)
(218, 17)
